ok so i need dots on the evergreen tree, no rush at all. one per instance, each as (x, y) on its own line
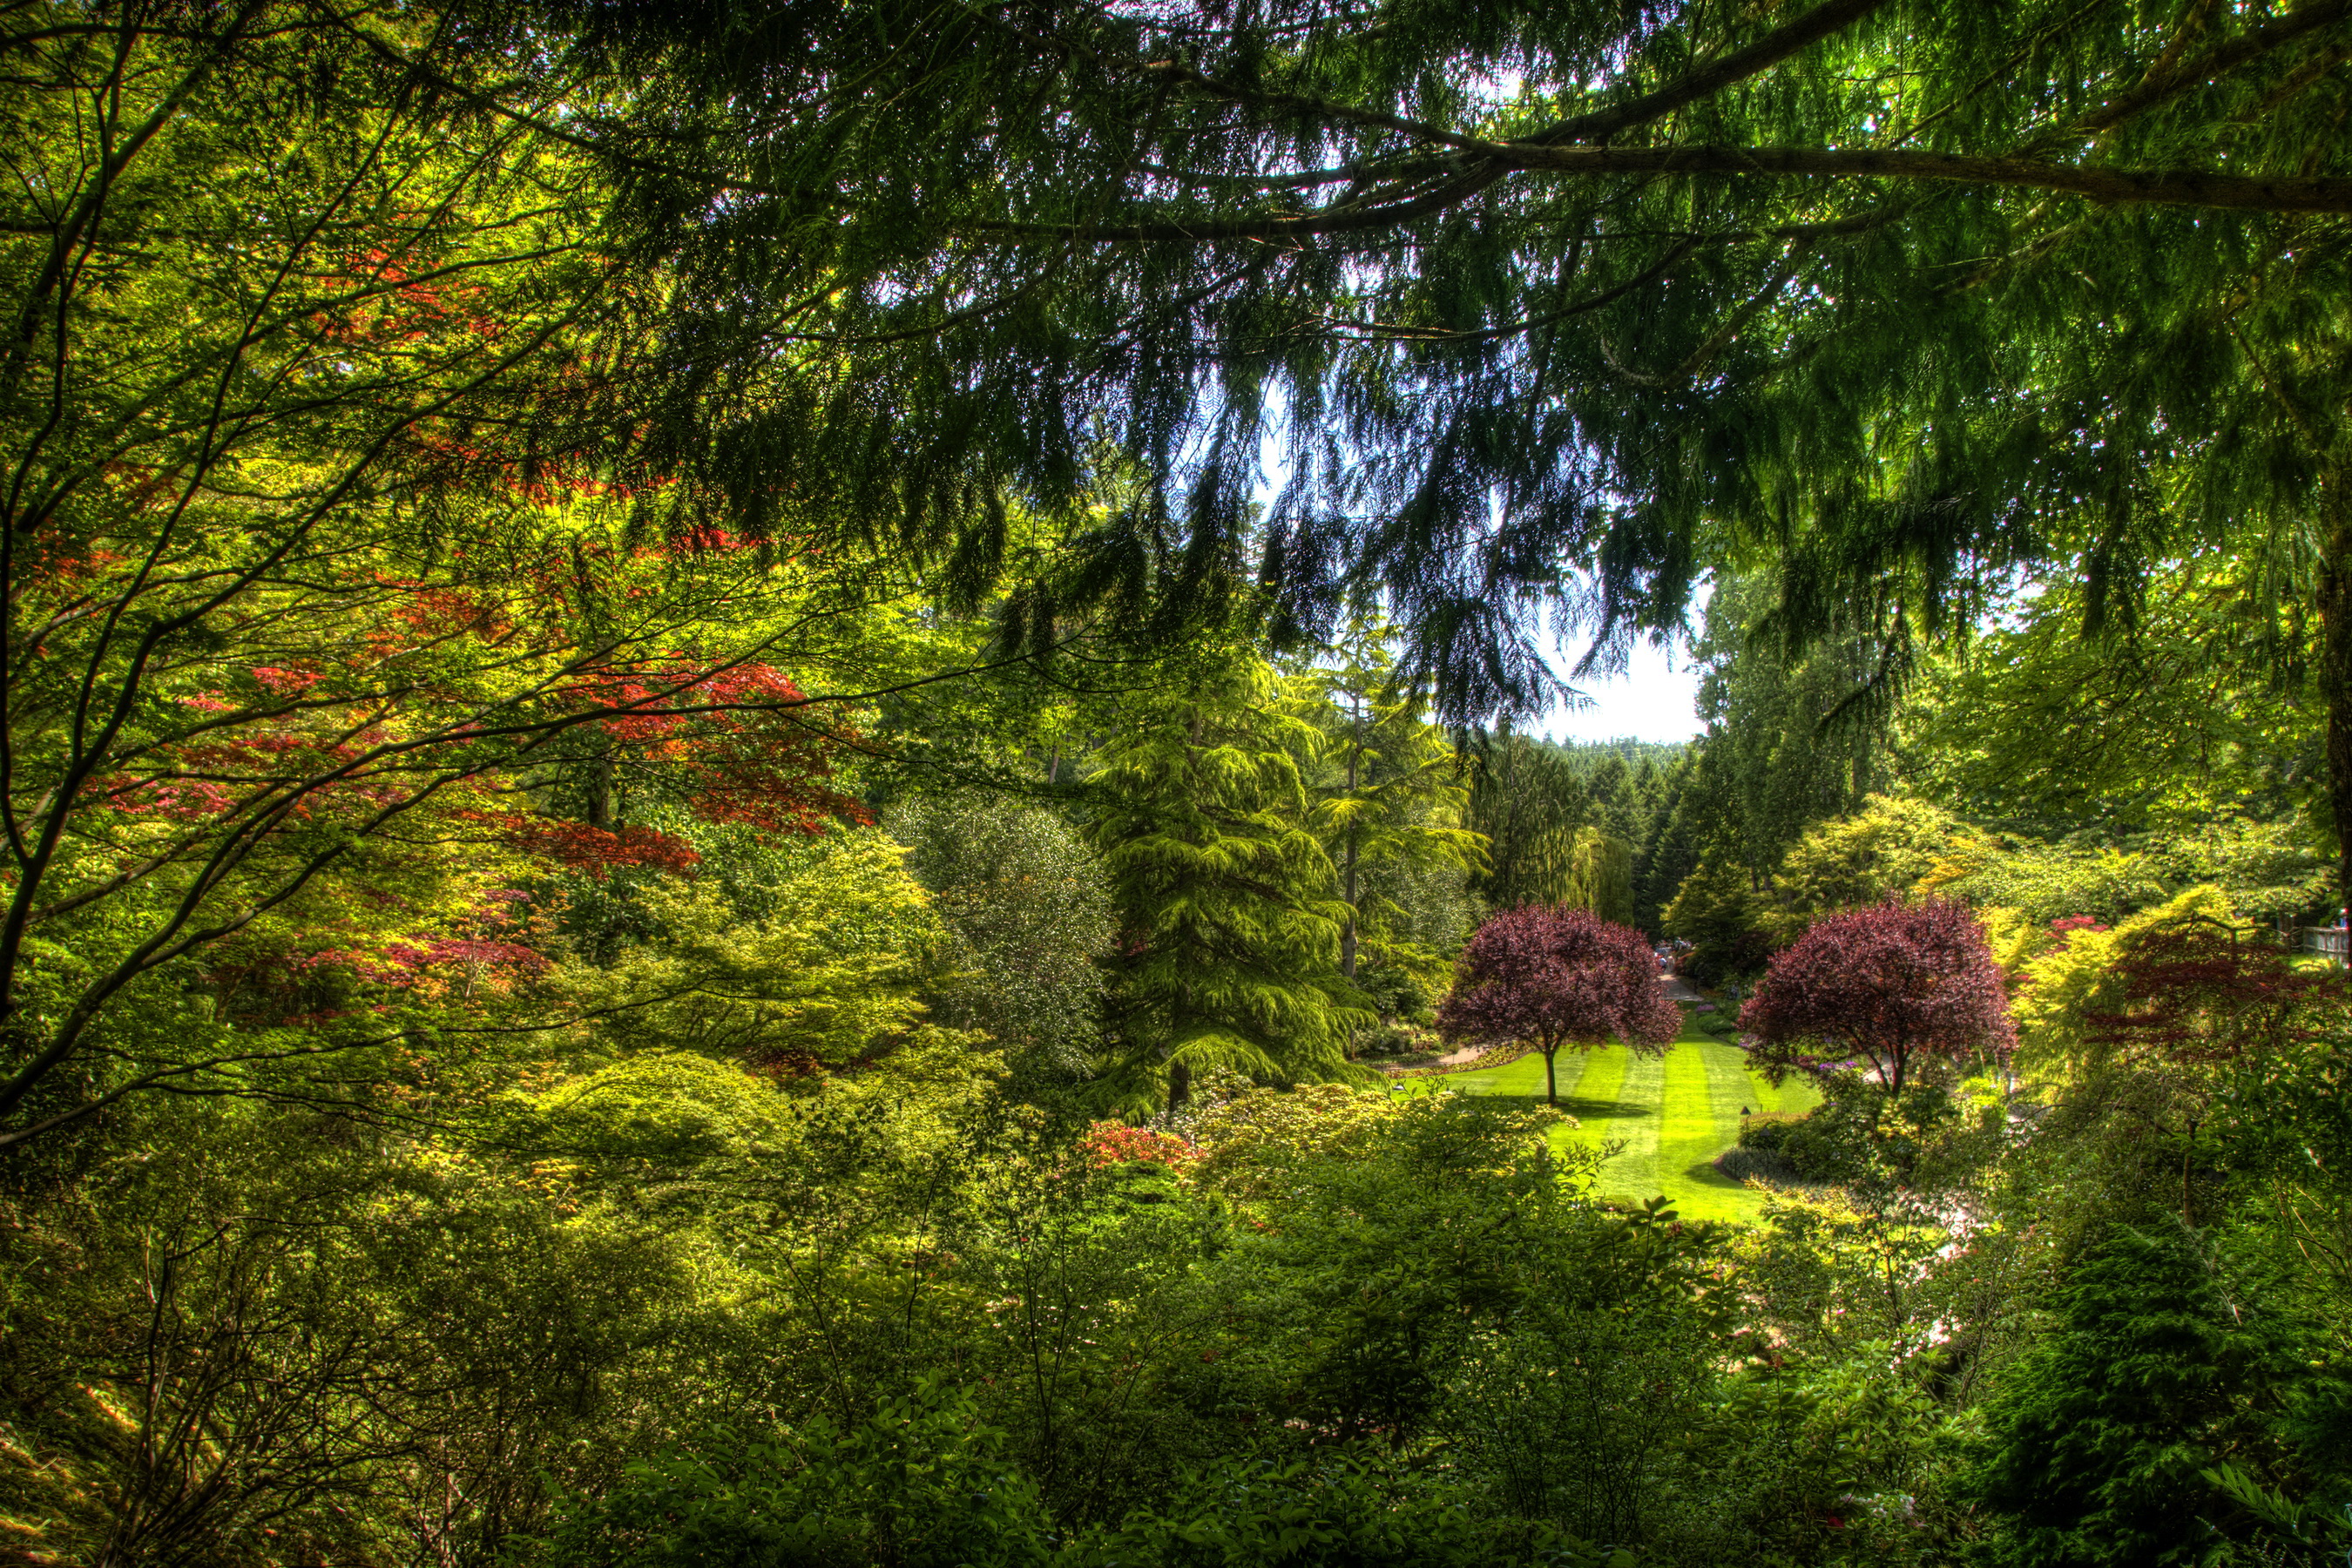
(1230, 952)
(1671, 850)
(2097, 1442)
(1387, 792)
(1894, 297)
(1527, 801)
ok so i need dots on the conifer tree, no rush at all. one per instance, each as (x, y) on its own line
(1894, 298)
(1230, 952)
(1386, 790)
(1528, 801)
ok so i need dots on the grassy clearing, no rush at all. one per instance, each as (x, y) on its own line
(1674, 1114)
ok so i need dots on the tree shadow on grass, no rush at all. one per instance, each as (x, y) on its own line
(1583, 1107)
(1588, 1110)
(1705, 1175)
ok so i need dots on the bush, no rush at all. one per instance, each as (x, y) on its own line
(1259, 1514)
(918, 1484)
(1767, 1132)
(1029, 912)
(1819, 1145)
(1399, 1038)
(923, 1484)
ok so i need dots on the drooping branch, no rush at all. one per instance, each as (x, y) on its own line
(2153, 187)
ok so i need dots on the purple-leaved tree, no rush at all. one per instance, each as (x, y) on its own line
(1890, 985)
(1550, 976)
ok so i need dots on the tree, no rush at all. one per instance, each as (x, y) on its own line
(1228, 954)
(1387, 797)
(1031, 910)
(2200, 707)
(1602, 878)
(1882, 294)
(1527, 801)
(2099, 1443)
(1894, 984)
(1550, 976)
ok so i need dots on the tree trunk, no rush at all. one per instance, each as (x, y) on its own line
(1551, 1078)
(2336, 671)
(1180, 1084)
(1348, 936)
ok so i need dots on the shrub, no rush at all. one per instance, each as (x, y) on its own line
(918, 1484)
(1260, 1514)
(1767, 1131)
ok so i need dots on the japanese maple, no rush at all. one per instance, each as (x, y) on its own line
(1889, 984)
(1550, 976)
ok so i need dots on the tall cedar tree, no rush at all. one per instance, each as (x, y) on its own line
(2099, 1444)
(1552, 976)
(1890, 985)
(1230, 952)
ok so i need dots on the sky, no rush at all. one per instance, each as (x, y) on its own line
(1651, 701)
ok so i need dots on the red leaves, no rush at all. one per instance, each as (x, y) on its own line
(595, 850)
(1108, 1143)
(285, 682)
(746, 756)
(2201, 994)
(1888, 983)
(1549, 974)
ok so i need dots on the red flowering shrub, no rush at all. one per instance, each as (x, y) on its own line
(1887, 985)
(1108, 1143)
(1552, 976)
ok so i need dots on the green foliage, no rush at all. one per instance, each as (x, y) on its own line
(831, 975)
(1716, 911)
(2072, 980)
(1887, 848)
(2269, 870)
(918, 1483)
(1528, 801)
(485, 483)
(1231, 926)
(2094, 1447)
(1264, 1514)
(1387, 796)
(2192, 710)
(1030, 915)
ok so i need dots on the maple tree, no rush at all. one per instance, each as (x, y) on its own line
(1893, 984)
(1550, 976)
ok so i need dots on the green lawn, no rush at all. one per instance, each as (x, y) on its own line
(1676, 1113)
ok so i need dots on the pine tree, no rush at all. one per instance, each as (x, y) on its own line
(1230, 952)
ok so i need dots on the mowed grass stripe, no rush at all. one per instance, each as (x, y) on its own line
(1637, 1119)
(1690, 1123)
